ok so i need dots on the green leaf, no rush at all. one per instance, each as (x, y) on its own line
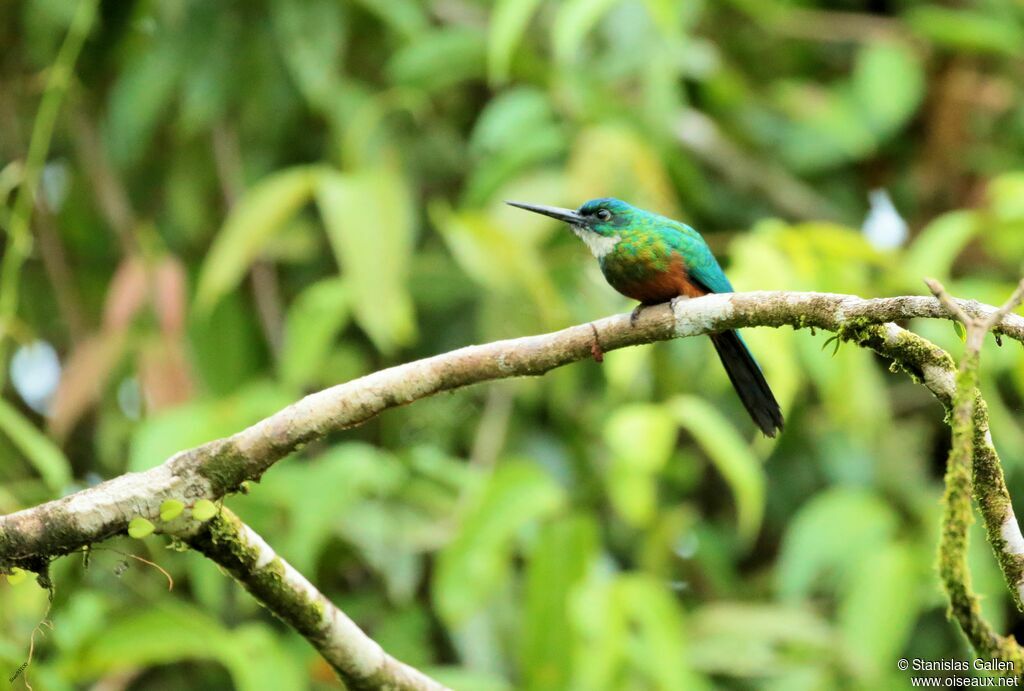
(203, 510)
(310, 36)
(829, 538)
(656, 626)
(473, 566)
(1005, 223)
(602, 634)
(573, 22)
(878, 613)
(353, 483)
(510, 119)
(937, 246)
(516, 131)
(407, 17)
(230, 356)
(505, 260)
(140, 98)
(564, 552)
(440, 58)
(463, 678)
(207, 84)
(670, 16)
(1006, 198)
(853, 391)
(314, 319)
(140, 527)
(960, 329)
(169, 632)
(731, 455)
(164, 633)
(261, 212)
(643, 435)
(618, 160)
(509, 20)
(259, 658)
(171, 509)
(199, 421)
(641, 439)
(630, 627)
(39, 451)
(822, 127)
(370, 222)
(888, 84)
(967, 30)
(763, 631)
(17, 576)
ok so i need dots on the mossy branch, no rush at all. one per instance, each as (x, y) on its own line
(973, 468)
(359, 661)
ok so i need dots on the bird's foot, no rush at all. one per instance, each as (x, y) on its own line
(635, 314)
(674, 302)
(595, 346)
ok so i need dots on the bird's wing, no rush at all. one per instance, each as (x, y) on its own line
(704, 270)
(701, 265)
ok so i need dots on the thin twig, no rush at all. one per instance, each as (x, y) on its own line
(703, 137)
(20, 240)
(939, 291)
(23, 671)
(108, 188)
(51, 250)
(1015, 300)
(837, 26)
(170, 580)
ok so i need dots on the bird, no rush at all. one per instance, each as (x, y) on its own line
(654, 259)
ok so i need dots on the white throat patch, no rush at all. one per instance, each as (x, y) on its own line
(599, 245)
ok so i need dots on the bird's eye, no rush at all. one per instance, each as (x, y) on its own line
(603, 214)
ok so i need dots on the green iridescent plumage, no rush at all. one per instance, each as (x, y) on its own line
(648, 243)
(653, 259)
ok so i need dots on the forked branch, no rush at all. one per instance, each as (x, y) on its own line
(973, 468)
(32, 537)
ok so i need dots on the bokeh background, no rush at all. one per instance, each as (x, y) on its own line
(242, 202)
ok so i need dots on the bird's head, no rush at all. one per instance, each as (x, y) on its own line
(606, 216)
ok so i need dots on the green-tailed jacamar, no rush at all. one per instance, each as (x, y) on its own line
(654, 259)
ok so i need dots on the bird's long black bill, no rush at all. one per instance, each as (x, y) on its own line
(749, 382)
(567, 215)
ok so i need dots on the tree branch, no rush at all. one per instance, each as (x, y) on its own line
(359, 660)
(969, 416)
(219, 467)
(30, 538)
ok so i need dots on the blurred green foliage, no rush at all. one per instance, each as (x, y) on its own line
(246, 201)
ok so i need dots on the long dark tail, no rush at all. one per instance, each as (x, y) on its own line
(747, 379)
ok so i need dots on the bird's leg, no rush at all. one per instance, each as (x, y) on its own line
(595, 346)
(635, 314)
